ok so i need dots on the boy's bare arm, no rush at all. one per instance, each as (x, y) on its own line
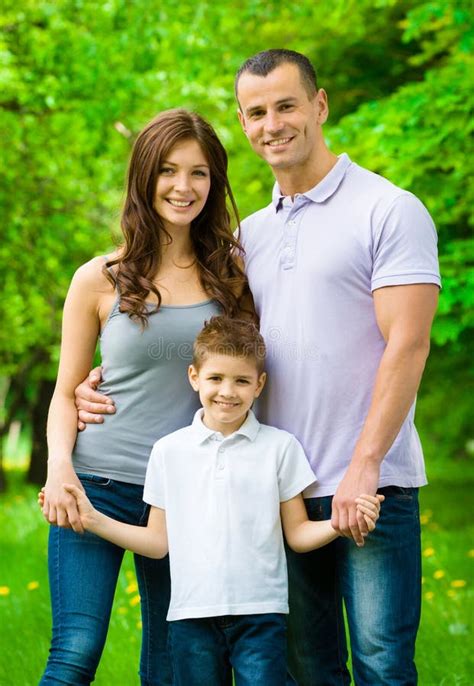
(150, 541)
(303, 535)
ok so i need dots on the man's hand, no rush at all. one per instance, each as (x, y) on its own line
(346, 518)
(58, 506)
(90, 404)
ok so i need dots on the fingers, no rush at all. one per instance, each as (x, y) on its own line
(100, 404)
(370, 523)
(345, 522)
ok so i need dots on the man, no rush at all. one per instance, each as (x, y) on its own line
(343, 270)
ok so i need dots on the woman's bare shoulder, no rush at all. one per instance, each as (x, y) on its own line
(92, 274)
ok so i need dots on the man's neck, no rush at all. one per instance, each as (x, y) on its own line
(300, 179)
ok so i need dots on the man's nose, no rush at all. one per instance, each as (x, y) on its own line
(273, 123)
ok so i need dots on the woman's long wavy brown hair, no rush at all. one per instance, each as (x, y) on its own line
(211, 233)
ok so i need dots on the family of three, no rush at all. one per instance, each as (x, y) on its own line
(343, 277)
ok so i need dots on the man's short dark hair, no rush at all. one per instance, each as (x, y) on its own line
(265, 62)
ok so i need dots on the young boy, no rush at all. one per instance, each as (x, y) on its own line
(217, 490)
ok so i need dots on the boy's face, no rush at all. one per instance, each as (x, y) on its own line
(227, 387)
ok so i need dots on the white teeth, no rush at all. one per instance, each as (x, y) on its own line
(179, 203)
(279, 141)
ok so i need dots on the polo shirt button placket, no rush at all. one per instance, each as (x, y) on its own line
(220, 464)
(289, 248)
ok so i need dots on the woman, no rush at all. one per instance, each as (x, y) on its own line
(145, 303)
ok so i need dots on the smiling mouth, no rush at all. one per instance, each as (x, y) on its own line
(278, 141)
(179, 203)
(223, 404)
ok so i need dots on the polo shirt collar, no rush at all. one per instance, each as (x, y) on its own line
(324, 189)
(249, 428)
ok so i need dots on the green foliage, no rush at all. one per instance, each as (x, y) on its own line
(78, 79)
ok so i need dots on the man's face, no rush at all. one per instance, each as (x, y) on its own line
(281, 121)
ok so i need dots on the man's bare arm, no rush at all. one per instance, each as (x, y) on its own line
(404, 315)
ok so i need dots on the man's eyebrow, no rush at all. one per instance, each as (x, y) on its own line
(282, 101)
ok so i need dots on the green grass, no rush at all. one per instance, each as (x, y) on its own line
(444, 653)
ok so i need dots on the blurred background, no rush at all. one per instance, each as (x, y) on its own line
(78, 80)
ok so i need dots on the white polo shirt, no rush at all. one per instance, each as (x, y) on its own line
(222, 499)
(312, 264)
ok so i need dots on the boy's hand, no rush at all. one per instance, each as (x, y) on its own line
(87, 512)
(90, 404)
(369, 506)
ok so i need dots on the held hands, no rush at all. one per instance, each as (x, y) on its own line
(347, 519)
(87, 512)
(369, 507)
(84, 508)
(90, 404)
(57, 505)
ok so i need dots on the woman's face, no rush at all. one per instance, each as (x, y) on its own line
(183, 185)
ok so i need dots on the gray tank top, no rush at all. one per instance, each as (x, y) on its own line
(145, 372)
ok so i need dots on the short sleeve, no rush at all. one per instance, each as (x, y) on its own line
(294, 471)
(154, 490)
(405, 250)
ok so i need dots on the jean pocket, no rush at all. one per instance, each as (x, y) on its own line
(398, 492)
(94, 479)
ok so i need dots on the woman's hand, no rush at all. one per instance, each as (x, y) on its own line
(58, 506)
(87, 512)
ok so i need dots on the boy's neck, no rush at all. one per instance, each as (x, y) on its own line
(226, 429)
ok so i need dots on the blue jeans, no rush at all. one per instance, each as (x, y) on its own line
(204, 651)
(381, 588)
(83, 572)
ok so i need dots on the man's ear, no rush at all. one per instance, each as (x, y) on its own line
(322, 106)
(193, 377)
(261, 383)
(241, 120)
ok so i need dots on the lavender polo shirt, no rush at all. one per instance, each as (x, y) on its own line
(313, 264)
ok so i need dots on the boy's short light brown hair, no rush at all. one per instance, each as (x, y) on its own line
(225, 336)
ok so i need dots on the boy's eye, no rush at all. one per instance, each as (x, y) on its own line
(243, 381)
(214, 378)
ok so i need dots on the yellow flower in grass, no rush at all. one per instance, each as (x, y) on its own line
(424, 519)
(4, 590)
(135, 600)
(428, 552)
(451, 593)
(429, 595)
(439, 574)
(122, 610)
(458, 583)
(471, 552)
(139, 625)
(132, 588)
(129, 574)
(33, 585)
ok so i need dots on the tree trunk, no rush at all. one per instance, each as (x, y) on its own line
(39, 448)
